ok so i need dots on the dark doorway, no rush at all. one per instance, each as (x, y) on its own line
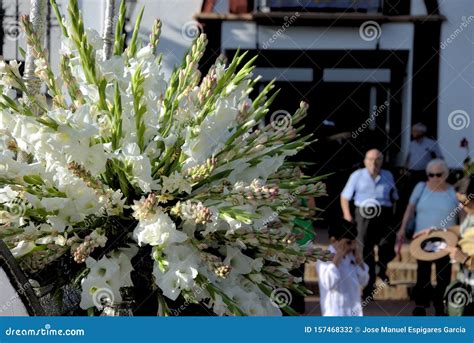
(347, 117)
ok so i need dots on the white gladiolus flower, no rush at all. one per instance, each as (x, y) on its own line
(7, 194)
(192, 154)
(175, 182)
(67, 46)
(53, 204)
(7, 121)
(145, 53)
(159, 230)
(141, 167)
(107, 275)
(182, 269)
(123, 277)
(113, 69)
(10, 92)
(23, 248)
(213, 132)
(105, 268)
(91, 292)
(240, 263)
(180, 276)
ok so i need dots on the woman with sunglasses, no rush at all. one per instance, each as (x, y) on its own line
(434, 203)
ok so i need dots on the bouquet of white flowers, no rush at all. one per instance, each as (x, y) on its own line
(119, 178)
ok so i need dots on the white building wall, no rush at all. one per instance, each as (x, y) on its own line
(13, 36)
(393, 36)
(456, 91)
(178, 28)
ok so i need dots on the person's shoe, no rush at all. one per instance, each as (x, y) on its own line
(419, 311)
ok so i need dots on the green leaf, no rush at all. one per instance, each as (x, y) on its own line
(132, 49)
(22, 52)
(59, 18)
(119, 43)
(33, 180)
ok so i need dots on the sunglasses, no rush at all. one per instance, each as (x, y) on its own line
(435, 174)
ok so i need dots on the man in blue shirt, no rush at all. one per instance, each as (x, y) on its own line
(374, 193)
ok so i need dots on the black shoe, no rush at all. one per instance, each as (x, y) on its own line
(419, 311)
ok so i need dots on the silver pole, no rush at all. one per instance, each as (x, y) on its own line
(108, 34)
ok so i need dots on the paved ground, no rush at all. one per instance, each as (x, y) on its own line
(374, 308)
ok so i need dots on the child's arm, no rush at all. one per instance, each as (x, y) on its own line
(362, 269)
(362, 274)
(328, 274)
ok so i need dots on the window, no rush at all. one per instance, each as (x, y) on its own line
(322, 5)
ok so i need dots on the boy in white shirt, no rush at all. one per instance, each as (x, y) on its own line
(341, 280)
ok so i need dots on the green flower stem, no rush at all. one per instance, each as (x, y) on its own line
(70, 81)
(86, 52)
(139, 106)
(213, 290)
(39, 53)
(116, 118)
(134, 46)
(59, 17)
(163, 305)
(155, 35)
(119, 44)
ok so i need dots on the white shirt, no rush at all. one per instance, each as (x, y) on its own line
(340, 287)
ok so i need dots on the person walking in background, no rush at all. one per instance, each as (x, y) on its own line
(435, 203)
(374, 193)
(420, 152)
(341, 279)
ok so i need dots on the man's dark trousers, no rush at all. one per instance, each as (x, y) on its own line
(376, 230)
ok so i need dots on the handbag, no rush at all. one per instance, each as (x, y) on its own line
(411, 225)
